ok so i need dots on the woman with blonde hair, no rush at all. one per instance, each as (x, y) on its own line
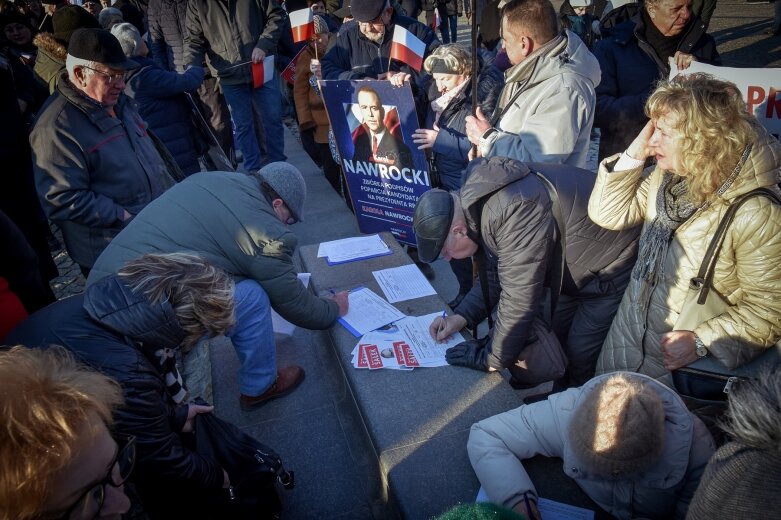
(128, 326)
(444, 134)
(57, 456)
(709, 151)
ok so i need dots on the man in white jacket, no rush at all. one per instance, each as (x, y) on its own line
(546, 110)
(627, 440)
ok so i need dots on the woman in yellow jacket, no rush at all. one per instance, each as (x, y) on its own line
(708, 151)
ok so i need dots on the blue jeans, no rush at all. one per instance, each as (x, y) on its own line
(451, 35)
(253, 338)
(268, 100)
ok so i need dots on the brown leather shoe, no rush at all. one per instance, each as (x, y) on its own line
(288, 379)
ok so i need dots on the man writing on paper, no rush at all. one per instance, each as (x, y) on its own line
(505, 209)
(238, 222)
(546, 109)
(377, 143)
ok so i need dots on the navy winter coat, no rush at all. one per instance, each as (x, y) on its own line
(452, 145)
(160, 97)
(630, 69)
(166, 32)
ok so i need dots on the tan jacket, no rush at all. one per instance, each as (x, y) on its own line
(309, 106)
(747, 275)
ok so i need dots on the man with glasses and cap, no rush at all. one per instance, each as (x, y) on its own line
(95, 164)
(505, 210)
(239, 223)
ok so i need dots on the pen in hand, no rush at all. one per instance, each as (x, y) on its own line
(442, 325)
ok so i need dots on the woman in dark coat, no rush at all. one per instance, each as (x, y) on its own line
(445, 132)
(160, 97)
(127, 326)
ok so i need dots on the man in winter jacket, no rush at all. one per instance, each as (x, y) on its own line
(634, 56)
(95, 164)
(232, 34)
(238, 222)
(362, 51)
(505, 210)
(128, 327)
(546, 109)
(627, 440)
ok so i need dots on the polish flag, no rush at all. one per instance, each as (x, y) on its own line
(302, 24)
(437, 20)
(263, 72)
(407, 48)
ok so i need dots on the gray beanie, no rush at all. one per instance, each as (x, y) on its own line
(289, 184)
(128, 37)
(618, 427)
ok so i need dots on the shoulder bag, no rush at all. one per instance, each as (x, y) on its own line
(707, 379)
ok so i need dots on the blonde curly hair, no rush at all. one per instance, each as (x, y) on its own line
(715, 126)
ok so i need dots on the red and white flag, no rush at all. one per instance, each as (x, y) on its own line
(302, 24)
(263, 72)
(437, 20)
(407, 48)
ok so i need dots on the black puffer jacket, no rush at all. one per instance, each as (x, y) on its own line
(508, 208)
(452, 145)
(166, 32)
(104, 328)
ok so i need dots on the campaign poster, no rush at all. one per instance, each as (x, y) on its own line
(761, 89)
(386, 174)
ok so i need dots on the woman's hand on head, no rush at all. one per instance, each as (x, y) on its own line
(640, 149)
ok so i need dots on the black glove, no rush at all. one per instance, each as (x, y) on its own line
(471, 354)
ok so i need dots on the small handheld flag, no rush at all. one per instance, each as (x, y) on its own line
(407, 48)
(302, 24)
(263, 72)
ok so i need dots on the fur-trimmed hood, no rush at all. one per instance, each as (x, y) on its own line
(47, 43)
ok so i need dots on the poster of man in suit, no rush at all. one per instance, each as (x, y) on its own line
(372, 123)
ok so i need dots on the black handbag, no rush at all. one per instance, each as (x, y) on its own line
(255, 470)
(708, 381)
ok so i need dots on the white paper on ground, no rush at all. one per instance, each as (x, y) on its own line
(368, 312)
(280, 324)
(550, 509)
(352, 248)
(403, 283)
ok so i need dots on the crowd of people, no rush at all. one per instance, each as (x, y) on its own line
(118, 114)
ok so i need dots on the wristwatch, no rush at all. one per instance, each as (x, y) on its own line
(700, 347)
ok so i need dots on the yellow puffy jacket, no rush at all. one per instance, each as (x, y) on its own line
(747, 275)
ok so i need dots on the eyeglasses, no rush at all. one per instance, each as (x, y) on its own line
(112, 78)
(91, 502)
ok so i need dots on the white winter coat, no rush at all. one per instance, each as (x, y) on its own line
(497, 446)
(550, 121)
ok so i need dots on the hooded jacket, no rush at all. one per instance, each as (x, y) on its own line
(546, 109)
(225, 217)
(630, 69)
(452, 146)
(508, 209)
(114, 331)
(747, 273)
(91, 167)
(227, 31)
(160, 97)
(50, 62)
(663, 491)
